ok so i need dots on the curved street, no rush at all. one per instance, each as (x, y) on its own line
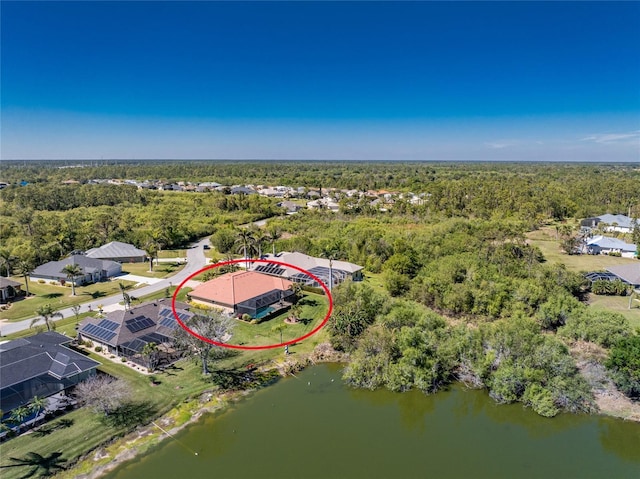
(196, 260)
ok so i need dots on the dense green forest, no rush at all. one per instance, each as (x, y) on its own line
(456, 291)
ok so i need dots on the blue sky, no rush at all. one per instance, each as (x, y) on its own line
(330, 80)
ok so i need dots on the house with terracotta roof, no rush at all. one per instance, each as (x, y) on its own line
(246, 292)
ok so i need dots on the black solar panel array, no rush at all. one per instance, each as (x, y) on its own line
(270, 269)
(138, 324)
(106, 324)
(98, 332)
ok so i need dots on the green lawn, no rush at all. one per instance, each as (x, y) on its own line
(65, 326)
(579, 263)
(618, 304)
(172, 253)
(161, 270)
(81, 431)
(314, 308)
(59, 297)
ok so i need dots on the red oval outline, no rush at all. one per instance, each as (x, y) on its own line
(253, 348)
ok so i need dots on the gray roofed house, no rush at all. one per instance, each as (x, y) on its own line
(620, 223)
(9, 289)
(117, 251)
(92, 269)
(322, 268)
(125, 333)
(629, 273)
(242, 190)
(39, 365)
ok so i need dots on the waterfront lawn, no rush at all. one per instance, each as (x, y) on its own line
(59, 297)
(314, 308)
(161, 270)
(80, 431)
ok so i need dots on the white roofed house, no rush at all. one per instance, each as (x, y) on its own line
(117, 251)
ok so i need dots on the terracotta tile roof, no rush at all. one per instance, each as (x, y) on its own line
(234, 288)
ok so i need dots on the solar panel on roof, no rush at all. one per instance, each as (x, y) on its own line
(168, 323)
(106, 324)
(138, 324)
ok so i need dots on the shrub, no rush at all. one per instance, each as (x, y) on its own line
(41, 281)
(246, 317)
(254, 321)
(124, 360)
(98, 349)
(615, 253)
(600, 327)
(624, 363)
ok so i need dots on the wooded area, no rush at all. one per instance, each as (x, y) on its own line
(455, 291)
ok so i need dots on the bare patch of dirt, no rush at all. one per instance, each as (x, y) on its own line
(589, 359)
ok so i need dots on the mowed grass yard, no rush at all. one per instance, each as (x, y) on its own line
(313, 311)
(59, 297)
(82, 430)
(161, 270)
(618, 304)
(550, 247)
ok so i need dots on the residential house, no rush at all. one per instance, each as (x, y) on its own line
(628, 273)
(245, 292)
(9, 290)
(608, 222)
(322, 268)
(41, 365)
(290, 206)
(125, 333)
(242, 190)
(117, 251)
(93, 270)
(606, 245)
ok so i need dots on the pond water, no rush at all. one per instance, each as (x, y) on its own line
(313, 426)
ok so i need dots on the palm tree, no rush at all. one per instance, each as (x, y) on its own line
(72, 271)
(37, 405)
(46, 313)
(19, 414)
(125, 297)
(279, 327)
(245, 243)
(151, 247)
(273, 235)
(24, 268)
(259, 239)
(150, 353)
(7, 260)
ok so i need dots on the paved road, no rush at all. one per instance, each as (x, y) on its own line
(195, 261)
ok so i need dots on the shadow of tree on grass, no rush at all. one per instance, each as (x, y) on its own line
(52, 295)
(129, 415)
(39, 466)
(48, 429)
